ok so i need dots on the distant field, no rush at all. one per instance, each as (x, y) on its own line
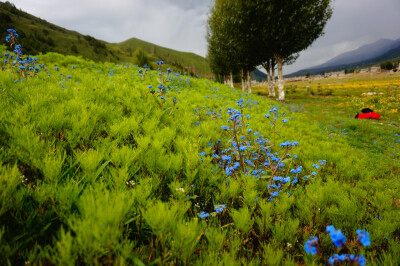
(334, 102)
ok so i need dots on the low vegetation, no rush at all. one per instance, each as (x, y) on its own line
(115, 164)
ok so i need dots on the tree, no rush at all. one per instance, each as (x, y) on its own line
(292, 26)
(269, 66)
(244, 34)
(388, 65)
(233, 40)
(220, 51)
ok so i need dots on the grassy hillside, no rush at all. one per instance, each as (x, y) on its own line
(38, 35)
(105, 164)
(189, 62)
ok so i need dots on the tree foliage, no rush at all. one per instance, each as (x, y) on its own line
(244, 34)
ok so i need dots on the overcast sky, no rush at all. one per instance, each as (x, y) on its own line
(181, 24)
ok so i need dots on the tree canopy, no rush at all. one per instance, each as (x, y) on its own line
(243, 34)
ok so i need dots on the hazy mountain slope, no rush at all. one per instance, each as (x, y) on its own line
(370, 54)
(363, 53)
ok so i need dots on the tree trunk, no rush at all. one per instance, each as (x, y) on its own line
(231, 79)
(273, 77)
(244, 83)
(281, 86)
(270, 67)
(248, 82)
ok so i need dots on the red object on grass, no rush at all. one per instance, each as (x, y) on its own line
(371, 115)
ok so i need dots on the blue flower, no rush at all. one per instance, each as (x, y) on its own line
(275, 194)
(204, 214)
(333, 259)
(311, 246)
(360, 260)
(284, 120)
(286, 180)
(337, 237)
(224, 127)
(219, 208)
(363, 237)
(228, 171)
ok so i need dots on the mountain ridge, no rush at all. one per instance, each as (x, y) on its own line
(369, 54)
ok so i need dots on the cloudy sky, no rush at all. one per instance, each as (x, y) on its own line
(181, 24)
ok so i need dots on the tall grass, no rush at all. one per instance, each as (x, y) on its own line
(97, 169)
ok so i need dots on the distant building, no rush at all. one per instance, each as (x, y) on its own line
(363, 70)
(375, 69)
(301, 78)
(335, 74)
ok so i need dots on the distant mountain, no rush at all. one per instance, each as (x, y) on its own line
(184, 61)
(40, 36)
(258, 75)
(381, 50)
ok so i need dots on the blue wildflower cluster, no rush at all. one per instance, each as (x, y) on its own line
(339, 240)
(203, 112)
(219, 208)
(337, 237)
(251, 154)
(160, 93)
(24, 67)
(204, 215)
(311, 246)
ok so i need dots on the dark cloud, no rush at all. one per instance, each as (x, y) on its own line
(181, 24)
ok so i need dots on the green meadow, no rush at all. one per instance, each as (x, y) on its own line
(332, 103)
(110, 164)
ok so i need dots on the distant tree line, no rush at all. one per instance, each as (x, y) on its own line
(389, 65)
(244, 34)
